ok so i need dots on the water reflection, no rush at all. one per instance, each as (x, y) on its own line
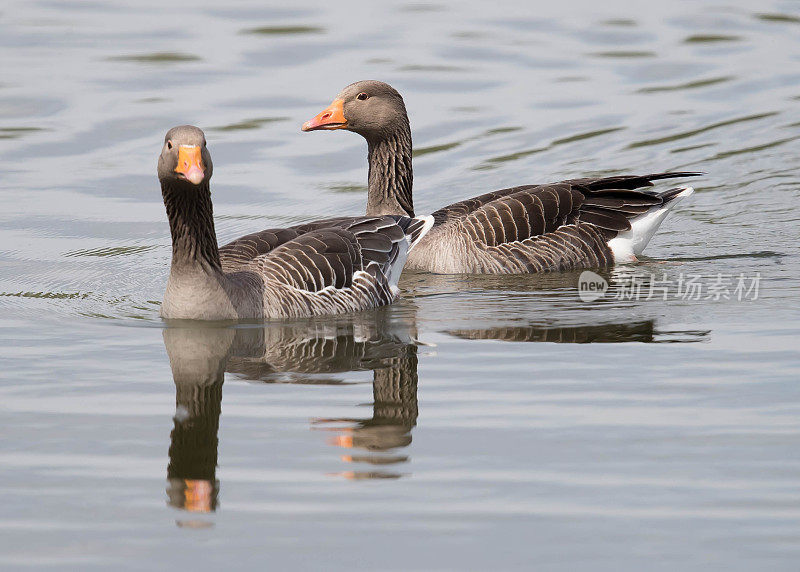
(303, 352)
(319, 352)
(644, 331)
(394, 414)
(308, 353)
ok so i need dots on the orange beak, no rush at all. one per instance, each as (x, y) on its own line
(190, 163)
(198, 495)
(331, 118)
(345, 441)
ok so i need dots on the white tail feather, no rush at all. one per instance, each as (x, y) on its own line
(626, 246)
(428, 220)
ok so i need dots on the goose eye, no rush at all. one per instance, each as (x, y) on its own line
(362, 96)
(169, 144)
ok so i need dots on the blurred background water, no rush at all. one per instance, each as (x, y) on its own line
(481, 422)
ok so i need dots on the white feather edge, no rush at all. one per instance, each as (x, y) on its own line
(626, 246)
(397, 268)
(425, 228)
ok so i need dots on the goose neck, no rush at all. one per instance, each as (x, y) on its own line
(390, 174)
(191, 224)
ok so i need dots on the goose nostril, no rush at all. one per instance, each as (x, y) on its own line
(326, 115)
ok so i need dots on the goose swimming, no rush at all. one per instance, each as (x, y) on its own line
(568, 225)
(324, 267)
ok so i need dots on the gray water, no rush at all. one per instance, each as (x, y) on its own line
(479, 423)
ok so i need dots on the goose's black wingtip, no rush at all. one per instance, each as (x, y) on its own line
(674, 175)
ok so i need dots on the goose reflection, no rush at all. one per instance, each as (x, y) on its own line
(302, 352)
(394, 414)
(197, 357)
(644, 331)
(310, 353)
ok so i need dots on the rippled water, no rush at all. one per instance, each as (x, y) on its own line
(481, 422)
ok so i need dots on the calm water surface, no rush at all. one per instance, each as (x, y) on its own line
(480, 423)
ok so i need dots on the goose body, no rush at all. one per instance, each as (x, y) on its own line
(325, 267)
(541, 228)
(568, 225)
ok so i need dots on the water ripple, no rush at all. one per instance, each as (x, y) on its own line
(698, 131)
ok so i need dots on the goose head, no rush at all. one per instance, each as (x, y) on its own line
(184, 158)
(370, 108)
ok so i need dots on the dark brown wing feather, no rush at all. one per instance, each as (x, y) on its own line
(558, 226)
(378, 235)
(519, 213)
(526, 213)
(330, 252)
(315, 260)
(242, 250)
(463, 208)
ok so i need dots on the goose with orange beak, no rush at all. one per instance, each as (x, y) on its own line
(318, 268)
(574, 224)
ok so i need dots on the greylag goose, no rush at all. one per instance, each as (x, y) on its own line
(325, 267)
(573, 224)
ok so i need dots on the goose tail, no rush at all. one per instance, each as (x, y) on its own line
(627, 245)
(417, 229)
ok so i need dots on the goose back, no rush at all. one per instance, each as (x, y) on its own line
(326, 267)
